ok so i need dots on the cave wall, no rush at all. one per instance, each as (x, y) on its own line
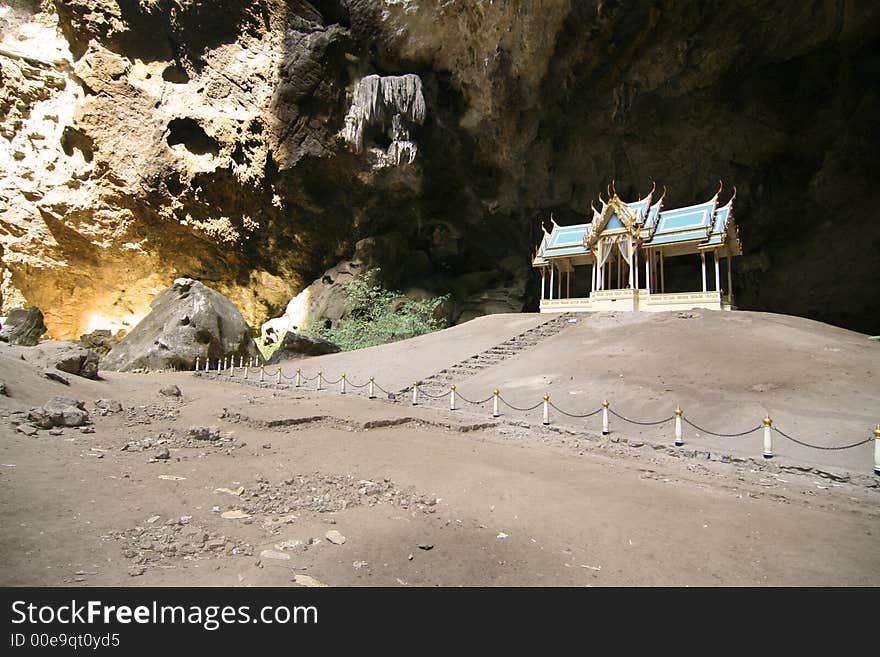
(145, 140)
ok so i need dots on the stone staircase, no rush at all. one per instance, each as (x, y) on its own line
(441, 381)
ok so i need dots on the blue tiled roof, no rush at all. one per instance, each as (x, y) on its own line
(690, 218)
(567, 236)
(689, 236)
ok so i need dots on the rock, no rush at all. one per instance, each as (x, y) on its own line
(236, 514)
(60, 412)
(163, 454)
(136, 571)
(170, 391)
(357, 565)
(3, 390)
(187, 320)
(109, 405)
(274, 554)
(23, 326)
(56, 432)
(78, 361)
(54, 376)
(100, 341)
(204, 433)
(296, 345)
(335, 537)
(309, 581)
(26, 429)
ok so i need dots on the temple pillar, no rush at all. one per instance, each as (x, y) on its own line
(662, 274)
(703, 262)
(552, 274)
(729, 280)
(717, 274)
(568, 285)
(559, 285)
(543, 274)
(648, 258)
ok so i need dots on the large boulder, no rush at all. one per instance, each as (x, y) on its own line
(59, 412)
(23, 326)
(188, 320)
(66, 356)
(296, 345)
(100, 341)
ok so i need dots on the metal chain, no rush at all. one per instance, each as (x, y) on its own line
(644, 424)
(721, 435)
(469, 401)
(572, 414)
(517, 408)
(430, 396)
(795, 440)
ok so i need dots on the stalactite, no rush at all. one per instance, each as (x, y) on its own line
(394, 99)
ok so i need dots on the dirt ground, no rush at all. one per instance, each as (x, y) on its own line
(424, 496)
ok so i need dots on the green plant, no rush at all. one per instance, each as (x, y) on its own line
(377, 316)
(268, 349)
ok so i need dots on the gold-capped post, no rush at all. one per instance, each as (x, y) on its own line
(546, 408)
(768, 437)
(679, 441)
(452, 387)
(877, 450)
(546, 397)
(605, 403)
(877, 432)
(768, 421)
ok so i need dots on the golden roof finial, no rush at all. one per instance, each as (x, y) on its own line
(653, 187)
(720, 187)
(732, 197)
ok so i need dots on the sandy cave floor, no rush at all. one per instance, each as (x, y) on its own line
(432, 498)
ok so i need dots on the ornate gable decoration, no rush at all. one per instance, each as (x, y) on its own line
(618, 217)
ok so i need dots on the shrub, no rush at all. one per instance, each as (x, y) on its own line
(377, 316)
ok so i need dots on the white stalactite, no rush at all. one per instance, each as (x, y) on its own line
(392, 101)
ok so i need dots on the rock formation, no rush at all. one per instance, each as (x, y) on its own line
(295, 345)
(23, 326)
(253, 143)
(187, 321)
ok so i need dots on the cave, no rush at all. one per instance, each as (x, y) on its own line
(193, 137)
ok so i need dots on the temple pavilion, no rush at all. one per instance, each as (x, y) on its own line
(624, 249)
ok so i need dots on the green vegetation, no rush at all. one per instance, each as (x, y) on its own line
(377, 316)
(268, 349)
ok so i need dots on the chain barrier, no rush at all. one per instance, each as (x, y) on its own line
(721, 435)
(828, 449)
(644, 424)
(458, 395)
(517, 408)
(566, 413)
(303, 379)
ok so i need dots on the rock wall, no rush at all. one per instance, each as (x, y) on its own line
(252, 143)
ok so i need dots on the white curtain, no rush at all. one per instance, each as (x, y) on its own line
(605, 247)
(624, 246)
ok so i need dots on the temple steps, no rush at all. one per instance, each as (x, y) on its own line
(441, 381)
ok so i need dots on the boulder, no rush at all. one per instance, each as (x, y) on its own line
(23, 326)
(66, 356)
(81, 362)
(170, 391)
(296, 345)
(59, 412)
(100, 341)
(108, 406)
(187, 320)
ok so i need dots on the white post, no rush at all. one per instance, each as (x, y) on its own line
(703, 262)
(218, 366)
(415, 393)
(452, 397)
(495, 394)
(197, 364)
(342, 385)
(678, 441)
(635, 266)
(320, 375)
(877, 450)
(371, 395)
(717, 273)
(298, 378)
(552, 275)
(543, 276)
(593, 278)
(559, 285)
(246, 368)
(224, 362)
(605, 418)
(648, 257)
(262, 373)
(207, 363)
(278, 376)
(232, 366)
(546, 409)
(241, 361)
(768, 438)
